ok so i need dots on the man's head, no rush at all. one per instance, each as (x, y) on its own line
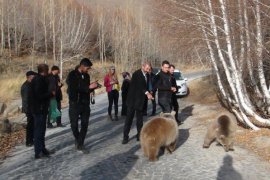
(172, 68)
(165, 66)
(55, 70)
(43, 69)
(30, 75)
(85, 65)
(146, 66)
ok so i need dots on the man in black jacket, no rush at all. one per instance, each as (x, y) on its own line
(55, 85)
(174, 104)
(164, 86)
(136, 99)
(25, 95)
(40, 105)
(79, 89)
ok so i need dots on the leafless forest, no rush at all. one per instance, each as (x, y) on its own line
(230, 35)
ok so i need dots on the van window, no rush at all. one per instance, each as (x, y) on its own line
(178, 76)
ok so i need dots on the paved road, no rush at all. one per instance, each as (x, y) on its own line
(109, 159)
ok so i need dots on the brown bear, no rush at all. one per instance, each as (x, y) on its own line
(160, 131)
(223, 131)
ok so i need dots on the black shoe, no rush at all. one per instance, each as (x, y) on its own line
(138, 137)
(41, 156)
(60, 125)
(29, 144)
(49, 126)
(83, 150)
(179, 123)
(48, 152)
(153, 114)
(125, 141)
(116, 118)
(110, 118)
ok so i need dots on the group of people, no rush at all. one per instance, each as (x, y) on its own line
(143, 86)
(41, 88)
(37, 92)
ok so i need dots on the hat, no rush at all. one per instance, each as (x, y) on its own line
(30, 73)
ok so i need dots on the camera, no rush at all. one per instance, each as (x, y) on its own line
(99, 85)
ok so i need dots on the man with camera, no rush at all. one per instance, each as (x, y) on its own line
(79, 89)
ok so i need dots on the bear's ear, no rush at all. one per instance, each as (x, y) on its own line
(173, 113)
(161, 114)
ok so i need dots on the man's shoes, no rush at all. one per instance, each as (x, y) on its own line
(60, 125)
(83, 150)
(179, 122)
(138, 137)
(110, 118)
(116, 118)
(125, 141)
(47, 152)
(29, 144)
(49, 126)
(41, 156)
(153, 114)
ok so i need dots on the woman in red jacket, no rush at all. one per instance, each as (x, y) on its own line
(112, 87)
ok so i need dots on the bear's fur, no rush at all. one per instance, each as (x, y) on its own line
(223, 131)
(160, 131)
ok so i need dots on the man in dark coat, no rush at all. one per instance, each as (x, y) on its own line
(79, 89)
(124, 89)
(174, 103)
(26, 95)
(56, 85)
(164, 86)
(40, 105)
(136, 99)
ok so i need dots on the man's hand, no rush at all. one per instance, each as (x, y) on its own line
(173, 89)
(53, 93)
(149, 96)
(93, 85)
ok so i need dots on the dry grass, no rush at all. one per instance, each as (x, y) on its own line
(10, 87)
(202, 91)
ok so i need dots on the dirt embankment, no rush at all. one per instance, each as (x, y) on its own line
(202, 91)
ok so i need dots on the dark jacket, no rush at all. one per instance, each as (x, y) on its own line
(78, 87)
(163, 85)
(25, 95)
(53, 86)
(40, 95)
(174, 84)
(125, 87)
(137, 90)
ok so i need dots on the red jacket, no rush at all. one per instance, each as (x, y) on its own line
(107, 84)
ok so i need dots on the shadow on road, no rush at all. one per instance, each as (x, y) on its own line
(115, 167)
(186, 112)
(226, 171)
(183, 137)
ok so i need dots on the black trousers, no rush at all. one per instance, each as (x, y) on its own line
(124, 105)
(128, 122)
(165, 104)
(175, 106)
(58, 120)
(39, 132)
(76, 112)
(113, 97)
(29, 128)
